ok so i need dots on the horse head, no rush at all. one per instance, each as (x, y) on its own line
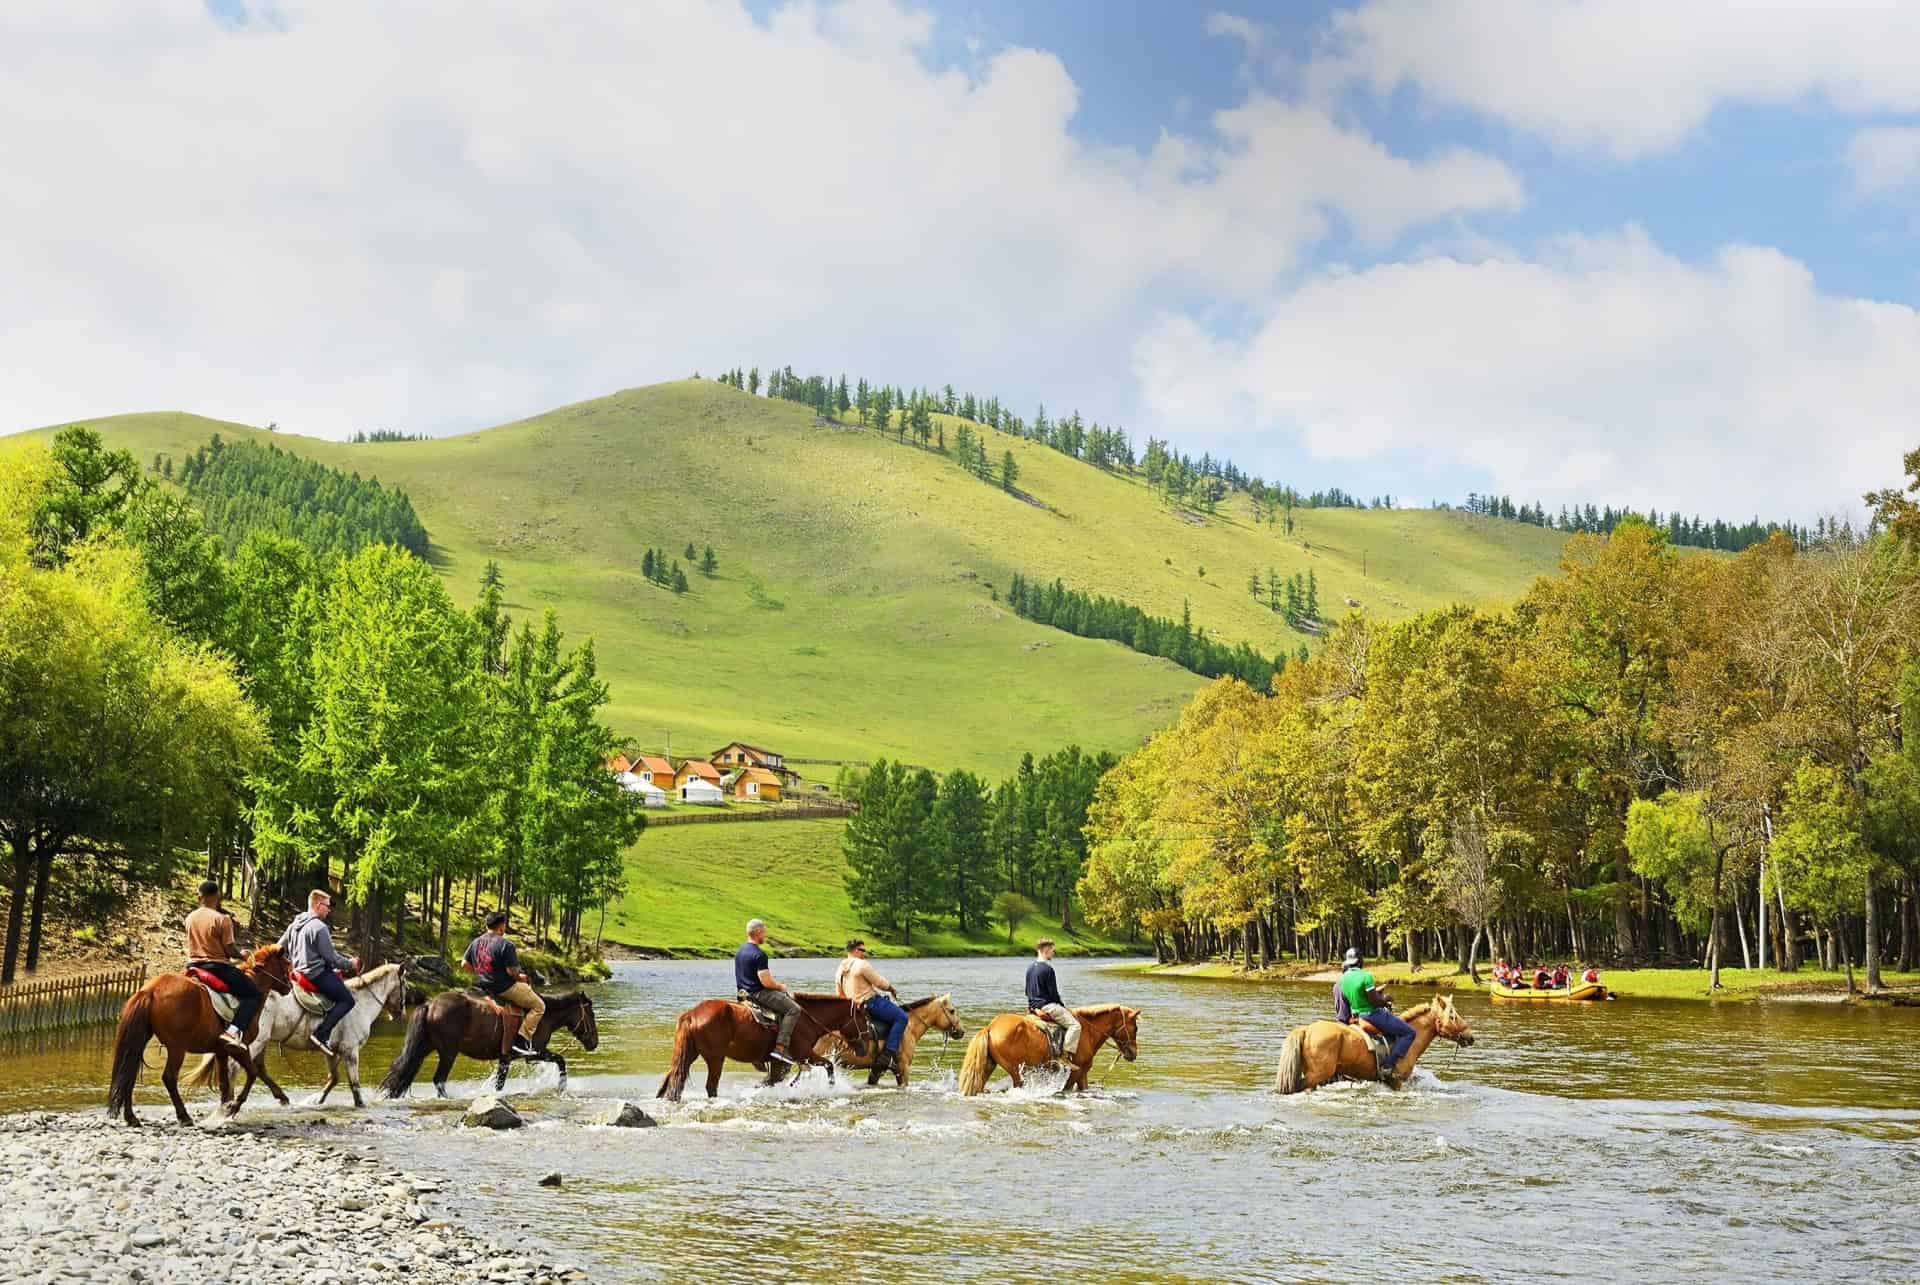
(1126, 1033)
(269, 964)
(1448, 1024)
(581, 1023)
(394, 1004)
(942, 1016)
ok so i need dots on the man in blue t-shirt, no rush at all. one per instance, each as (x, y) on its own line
(1043, 998)
(753, 981)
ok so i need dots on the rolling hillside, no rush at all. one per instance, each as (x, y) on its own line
(853, 614)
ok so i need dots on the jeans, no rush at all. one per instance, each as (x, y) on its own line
(240, 986)
(328, 983)
(1394, 1029)
(782, 1003)
(890, 1017)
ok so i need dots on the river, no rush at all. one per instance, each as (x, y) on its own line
(1630, 1140)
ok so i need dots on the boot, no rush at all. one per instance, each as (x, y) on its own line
(882, 1061)
(509, 1027)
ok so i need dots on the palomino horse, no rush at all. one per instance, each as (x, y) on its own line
(1325, 1050)
(718, 1029)
(934, 1013)
(379, 993)
(1014, 1040)
(176, 1011)
(454, 1022)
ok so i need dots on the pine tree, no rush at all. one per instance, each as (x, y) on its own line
(1313, 596)
(1293, 599)
(679, 579)
(690, 555)
(646, 565)
(708, 563)
(1009, 471)
(753, 381)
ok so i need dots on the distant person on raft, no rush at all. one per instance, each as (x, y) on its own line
(874, 995)
(209, 948)
(753, 982)
(1365, 998)
(309, 946)
(1043, 998)
(495, 966)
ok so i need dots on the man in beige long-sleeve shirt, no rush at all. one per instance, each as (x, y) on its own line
(862, 983)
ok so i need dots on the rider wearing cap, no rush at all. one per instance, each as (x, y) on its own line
(309, 946)
(210, 948)
(495, 966)
(1364, 997)
(753, 981)
(860, 982)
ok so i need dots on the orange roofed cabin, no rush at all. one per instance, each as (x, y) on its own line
(756, 785)
(741, 754)
(695, 770)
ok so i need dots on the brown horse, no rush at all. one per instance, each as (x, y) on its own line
(1015, 1040)
(175, 1010)
(934, 1013)
(1322, 1051)
(454, 1022)
(719, 1029)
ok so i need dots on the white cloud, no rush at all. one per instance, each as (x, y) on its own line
(1884, 159)
(1630, 76)
(1602, 370)
(451, 212)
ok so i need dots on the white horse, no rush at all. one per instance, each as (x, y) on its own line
(379, 993)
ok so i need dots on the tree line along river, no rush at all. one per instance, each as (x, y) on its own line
(1636, 1139)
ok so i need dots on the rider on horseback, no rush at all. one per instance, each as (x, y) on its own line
(495, 966)
(309, 946)
(1358, 995)
(753, 981)
(209, 947)
(1043, 998)
(860, 982)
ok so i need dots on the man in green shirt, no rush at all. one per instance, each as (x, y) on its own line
(1359, 995)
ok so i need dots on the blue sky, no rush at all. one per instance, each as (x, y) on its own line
(1608, 250)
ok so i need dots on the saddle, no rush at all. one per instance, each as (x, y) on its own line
(309, 997)
(1377, 1043)
(225, 1002)
(1056, 1037)
(766, 1017)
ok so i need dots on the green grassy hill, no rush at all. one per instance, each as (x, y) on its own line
(853, 614)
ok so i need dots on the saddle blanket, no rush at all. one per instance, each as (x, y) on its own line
(1377, 1043)
(308, 996)
(225, 1005)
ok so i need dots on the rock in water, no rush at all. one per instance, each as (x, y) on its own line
(551, 1179)
(624, 1115)
(489, 1112)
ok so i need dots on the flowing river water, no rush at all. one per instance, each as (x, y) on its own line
(1632, 1140)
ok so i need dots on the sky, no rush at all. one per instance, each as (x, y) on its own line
(1614, 251)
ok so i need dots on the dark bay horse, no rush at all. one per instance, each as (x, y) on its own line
(1015, 1040)
(719, 1029)
(175, 1010)
(454, 1022)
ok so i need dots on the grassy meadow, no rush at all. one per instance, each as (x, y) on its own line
(854, 612)
(692, 888)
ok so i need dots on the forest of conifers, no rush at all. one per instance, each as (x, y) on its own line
(240, 487)
(1597, 773)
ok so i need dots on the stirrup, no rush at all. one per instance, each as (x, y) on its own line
(778, 1056)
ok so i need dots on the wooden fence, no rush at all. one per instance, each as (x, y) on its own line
(776, 812)
(78, 1000)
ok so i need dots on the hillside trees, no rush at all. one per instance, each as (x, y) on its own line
(243, 486)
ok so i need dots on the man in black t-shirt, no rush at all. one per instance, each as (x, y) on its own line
(495, 966)
(753, 981)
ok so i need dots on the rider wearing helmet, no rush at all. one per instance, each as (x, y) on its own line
(1362, 996)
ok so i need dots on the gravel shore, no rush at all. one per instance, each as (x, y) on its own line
(82, 1199)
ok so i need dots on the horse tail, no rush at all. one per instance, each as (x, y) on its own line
(130, 1042)
(399, 1076)
(1292, 1075)
(977, 1065)
(201, 1076)
(675, 1082)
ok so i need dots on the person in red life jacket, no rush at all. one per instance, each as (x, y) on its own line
(309, 946)
(1560, 975)
(1591, 975)
(210, 948)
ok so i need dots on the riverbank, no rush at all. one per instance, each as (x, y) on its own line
(1736, 984)
(84, 1199)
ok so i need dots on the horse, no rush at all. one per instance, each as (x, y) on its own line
(454, 1022)
(1015, 1040)
(935, 1012)
(1325, 1050)
(176, 1010)
(718, 1029)
(379, 993)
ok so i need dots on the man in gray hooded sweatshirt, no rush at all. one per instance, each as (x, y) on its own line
(309, 946)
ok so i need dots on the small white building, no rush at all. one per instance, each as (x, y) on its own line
(698, 790)
(651, 795)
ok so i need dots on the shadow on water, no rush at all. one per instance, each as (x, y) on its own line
(1638, 1139)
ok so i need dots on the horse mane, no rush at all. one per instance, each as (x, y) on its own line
(367, 979)
(1098, 1010)
(1420, 1009)
(261, 954)
(919, 1003)
(568, 1002)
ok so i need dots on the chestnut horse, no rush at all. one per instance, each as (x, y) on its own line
(1015, 1040)
(454, 1022)
(934, 1013)
(718, 1029)
(175, 1010)
(1325, 1050)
